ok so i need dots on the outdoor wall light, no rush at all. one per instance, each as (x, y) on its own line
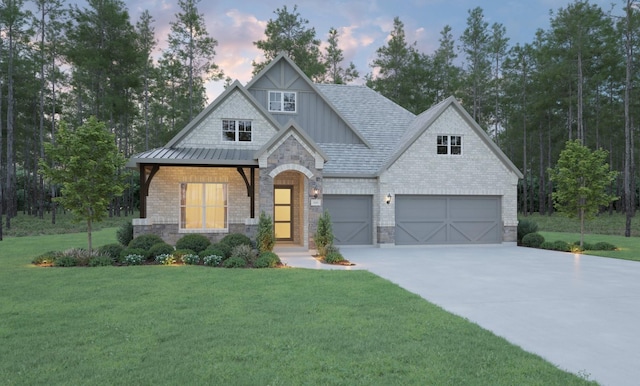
(315, 192)
(387, 199)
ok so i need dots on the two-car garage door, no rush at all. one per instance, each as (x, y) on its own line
(420, 219)
(448, 219)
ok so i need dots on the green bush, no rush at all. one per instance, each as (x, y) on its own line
(194, 241)
(267, 260)
(178, 253)
(145, 242)
(219, 249)
(131, 251)
(165, 259)
(161, 248)
(245, 252)
(333, 258)
(191, 259)
(212, 260)
(65, 261)
(133, 259)
(235, 262)
(266, 239)
(546, 245)
(125, 234)
(561, 246)
(46, 258)
(525, 227)
(100, 261)
(604, 246)
(235, 239)
(112, 250)
(324, 234)
(532, 240)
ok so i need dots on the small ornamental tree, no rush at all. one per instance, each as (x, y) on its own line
(324, 234)
(87, 164)
(266, 239)
(581, 178)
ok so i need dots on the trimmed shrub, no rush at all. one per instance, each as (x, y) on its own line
(266, 239)
(65, 261)
(160, 249)
(145, 242)
(267, 260)
(546, 245)
(133, 259)
(235, 262)
(218, 249)
(245, 252)
(131, 251)
(125, 234)
(191, 259)
(212, 260)
(532, 240)
(178, 253)
(165, 259)
(235, 239)
(46, 258)
(324, 234)
(112, 250)
(333, 258)
(195, 242)
(561, 246)
(100, 261)
(604, 246)
(526, 226)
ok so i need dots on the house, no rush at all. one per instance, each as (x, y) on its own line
(293, 149)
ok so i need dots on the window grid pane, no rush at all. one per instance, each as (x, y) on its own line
(228, 130)
(275, 101)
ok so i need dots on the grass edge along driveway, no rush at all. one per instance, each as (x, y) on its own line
(199, 325)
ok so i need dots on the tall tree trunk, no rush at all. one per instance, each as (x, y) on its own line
(10, 180)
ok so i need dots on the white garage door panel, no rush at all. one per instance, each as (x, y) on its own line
(448, 219)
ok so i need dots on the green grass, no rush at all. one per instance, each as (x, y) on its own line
(605, 227)
(604, 224)
(25, 225)
(199, 325)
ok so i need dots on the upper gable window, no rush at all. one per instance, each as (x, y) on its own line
(449, 144)
(283, 101)
(235, 130)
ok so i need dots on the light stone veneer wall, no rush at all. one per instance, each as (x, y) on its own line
(420, 170)
(208, 134)
(163, 202)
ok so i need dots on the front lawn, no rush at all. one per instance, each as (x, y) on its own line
(199, 325)
(628, 248)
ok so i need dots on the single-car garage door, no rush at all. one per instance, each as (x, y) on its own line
(351, 218)
(448, 219)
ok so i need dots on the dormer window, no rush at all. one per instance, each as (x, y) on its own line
(236, 130)
(282, 101)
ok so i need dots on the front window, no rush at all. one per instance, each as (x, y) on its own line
(449, 144)
(282, 101)
(234, 130)
(203, 206)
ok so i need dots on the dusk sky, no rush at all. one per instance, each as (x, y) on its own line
(363, 25)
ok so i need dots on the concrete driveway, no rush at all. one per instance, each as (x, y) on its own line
(579, 312)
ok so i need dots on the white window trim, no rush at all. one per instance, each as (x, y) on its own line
(295, 103)
(448, 153)
(237, 130)
(202, 230)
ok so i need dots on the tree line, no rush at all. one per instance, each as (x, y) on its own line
(65, 62)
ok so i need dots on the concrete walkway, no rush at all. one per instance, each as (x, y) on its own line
(579, 312)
